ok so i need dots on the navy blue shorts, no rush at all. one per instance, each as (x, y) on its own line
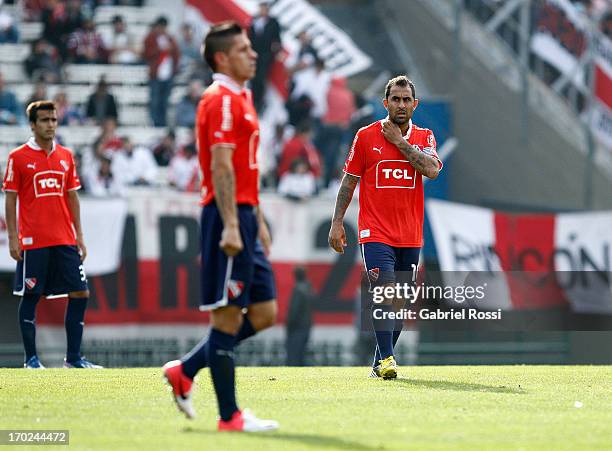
(382, 262)
(50, 271)
(241, 280)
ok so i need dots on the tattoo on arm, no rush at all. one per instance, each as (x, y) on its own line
(424, 164)
(224, 182)
(345, 194)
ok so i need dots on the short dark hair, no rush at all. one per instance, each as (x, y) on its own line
(34, 107)
(402, 81)
(219, 39)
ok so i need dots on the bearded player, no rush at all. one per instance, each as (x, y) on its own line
(388, 158)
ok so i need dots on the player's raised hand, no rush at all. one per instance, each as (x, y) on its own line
(392, 132)
(15, 248)
(231, 242)
(337, 237)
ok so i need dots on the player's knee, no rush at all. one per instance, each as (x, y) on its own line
(269, 317)
(227, 319)
(263, 315)
(79, 294)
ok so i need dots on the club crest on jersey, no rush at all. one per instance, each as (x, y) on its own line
(234, 288)
(374, 273)
(49, 183)
(30, 282)
(395, 174)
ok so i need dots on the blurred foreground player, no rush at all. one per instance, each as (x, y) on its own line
(49, 247)
(235, 271)
(388, 158)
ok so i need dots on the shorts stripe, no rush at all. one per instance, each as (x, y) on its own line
(22, 292)
(224, 300)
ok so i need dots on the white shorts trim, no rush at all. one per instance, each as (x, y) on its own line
(224, 300)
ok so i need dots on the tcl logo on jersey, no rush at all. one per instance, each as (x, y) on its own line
(49, 183)
(395, 174)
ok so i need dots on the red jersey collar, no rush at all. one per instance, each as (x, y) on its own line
(34, 145)
(229, 83)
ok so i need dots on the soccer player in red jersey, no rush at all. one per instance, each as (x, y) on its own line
(49, 246)
(388, 158)
(236, 273)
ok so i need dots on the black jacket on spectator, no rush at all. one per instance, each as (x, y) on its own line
(100, 108)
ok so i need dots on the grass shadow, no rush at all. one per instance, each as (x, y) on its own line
(315, 441)
(459, 386)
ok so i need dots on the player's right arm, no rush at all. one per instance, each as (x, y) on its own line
(10, 186)
(337, 235)
(224, 182)
(10, 211)
(353, 169)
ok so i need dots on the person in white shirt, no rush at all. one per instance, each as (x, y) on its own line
(184, 171)
(134, 165)
(120, 43)
(299, 183)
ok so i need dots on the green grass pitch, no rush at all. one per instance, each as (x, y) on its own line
(450, 407)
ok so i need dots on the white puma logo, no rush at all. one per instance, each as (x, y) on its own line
(31, 166)
(377, 149)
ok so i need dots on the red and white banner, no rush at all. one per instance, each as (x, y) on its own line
(102, 220)
(573, 249)
(561, 39)
(156, 277)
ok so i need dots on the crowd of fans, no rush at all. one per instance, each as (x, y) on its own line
(309, 146)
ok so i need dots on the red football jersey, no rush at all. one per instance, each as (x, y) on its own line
(226, 115)
(390, 189)
(41, 183)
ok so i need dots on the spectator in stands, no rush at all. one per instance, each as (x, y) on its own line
(186, 109)
(101, 104)
(120, 43)
(164, 151)
(43, 63)
(308, 99)
(108, 142)
(184, 171)
(39, 93)
(300, 147)
(85, 45)
(606, 24)
(334, 125)
(305, 56)
(33, 9)
(191, 61)
(299, 183)
(11, 112)
(9, 34)
(134, 165)
(60, 20)
(264, 33)
(103, 182)
(67, 114)
(162, 54)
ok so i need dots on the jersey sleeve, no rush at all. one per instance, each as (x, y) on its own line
(431, 148)
(73, 181)
(355, 162)
(221, 120)
(11, 176)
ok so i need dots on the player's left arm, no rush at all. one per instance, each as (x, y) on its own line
(264, 233)
(425, 164)
(75, 211)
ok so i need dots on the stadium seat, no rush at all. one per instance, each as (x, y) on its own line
(131, 14)
(13, 53)
(114, 73)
